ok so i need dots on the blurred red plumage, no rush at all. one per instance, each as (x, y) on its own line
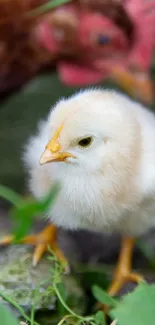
(89, 41)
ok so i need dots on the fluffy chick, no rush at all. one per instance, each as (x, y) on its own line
(100, 148)
(107, 184)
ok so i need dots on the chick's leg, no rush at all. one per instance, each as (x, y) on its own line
(123, 272)
(43, 240)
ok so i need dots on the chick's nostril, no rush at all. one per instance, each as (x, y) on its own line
(55, 147)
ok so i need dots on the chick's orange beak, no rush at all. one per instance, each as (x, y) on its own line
(49, 156)
(52, 151)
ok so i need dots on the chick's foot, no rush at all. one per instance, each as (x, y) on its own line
(119, 281)
(43, 240)
(123, 272)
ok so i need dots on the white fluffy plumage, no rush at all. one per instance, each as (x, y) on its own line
(110, 186)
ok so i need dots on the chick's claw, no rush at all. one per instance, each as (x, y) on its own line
(43, 240)
(118, 283)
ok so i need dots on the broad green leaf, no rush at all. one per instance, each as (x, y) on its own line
(103, 297)
(100, 318)
(136, 308)
(6, 318)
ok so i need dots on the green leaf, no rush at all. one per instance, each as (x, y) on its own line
(47, 6)
(24, 214)
(100, 318)
(136, 308)
(103, 297)
(22, 219)
(6, 317)
(49, 199)
(9, 195)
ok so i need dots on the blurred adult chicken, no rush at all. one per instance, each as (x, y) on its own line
(99, 145)
(105, 40)
(88, 42)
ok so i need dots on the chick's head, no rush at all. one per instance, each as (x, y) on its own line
(90, 132)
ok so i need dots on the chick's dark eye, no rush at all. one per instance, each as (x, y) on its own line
(85, 142)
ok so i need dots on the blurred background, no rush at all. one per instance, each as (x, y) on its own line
(49, 49)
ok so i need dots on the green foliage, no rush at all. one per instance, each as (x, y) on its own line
(57, 288)
(103, 297)
(100, 318)
(136, 308)
(9, 195)
(23, 212)
(6, 316)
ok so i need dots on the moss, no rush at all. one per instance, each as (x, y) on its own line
(18, 279)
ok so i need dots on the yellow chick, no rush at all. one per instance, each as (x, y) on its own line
(100, 146)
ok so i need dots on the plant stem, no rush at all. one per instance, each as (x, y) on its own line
(35, 298)
(67, 308)
(63, 302)
(13, 303)
(64, 318)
